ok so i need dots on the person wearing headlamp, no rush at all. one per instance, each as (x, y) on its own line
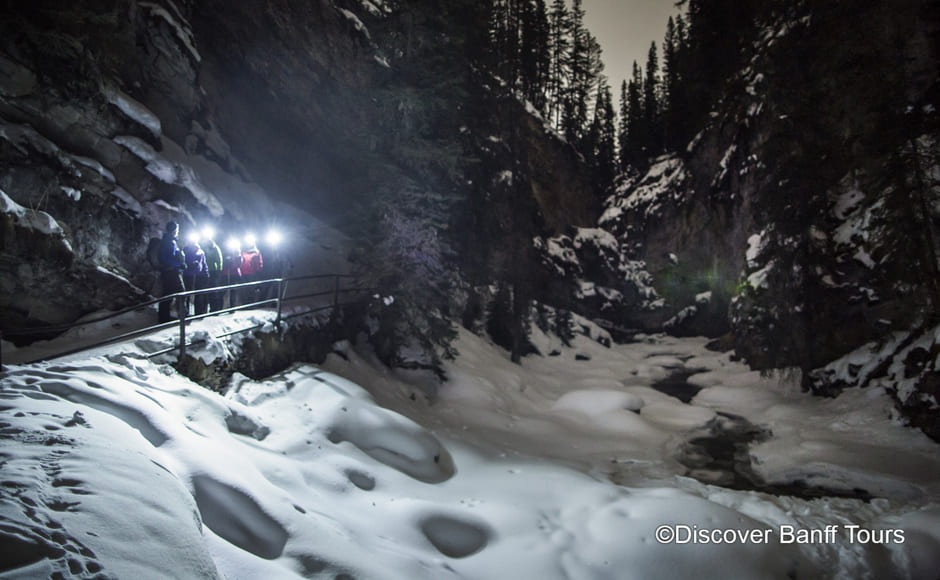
(252, 263)
(172, 263)
(232, 268)
(214, 264)
(196, 275)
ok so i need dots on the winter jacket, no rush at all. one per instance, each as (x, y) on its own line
(195, 261)
(232, 265)
(251, 262)
(213, 256)
(171, 258)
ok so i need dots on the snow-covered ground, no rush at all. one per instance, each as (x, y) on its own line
(115, 466)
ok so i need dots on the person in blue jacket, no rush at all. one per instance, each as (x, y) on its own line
(171, 269)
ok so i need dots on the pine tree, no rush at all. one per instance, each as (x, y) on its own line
(669, 84)
(584, 70)
(651, 103)
(623, 159)
(595, 67)
(677, 112)
(497, 316)
(559, 46)
(403, 241)
(496, 37)
(793, 203)
(500, 218)
(715, 34)
(574, 116)
(601, 142)
(535, 58)
(607, 147)
(408, 261)
(636, 121)
(506, 50)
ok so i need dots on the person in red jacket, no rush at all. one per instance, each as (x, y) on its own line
(252, 264)
(232, 269)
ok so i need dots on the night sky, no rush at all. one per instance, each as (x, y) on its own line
(625, 29)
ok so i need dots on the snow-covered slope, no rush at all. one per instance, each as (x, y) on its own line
(114, 466)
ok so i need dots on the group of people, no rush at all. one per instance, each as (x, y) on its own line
(198, 266)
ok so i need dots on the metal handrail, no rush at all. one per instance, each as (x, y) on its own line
(180, 297)
(65, 327)
(248, 329)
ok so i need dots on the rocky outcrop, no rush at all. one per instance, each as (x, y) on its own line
(587, 271)
(556, 174)
(902, 363)
(258, 354)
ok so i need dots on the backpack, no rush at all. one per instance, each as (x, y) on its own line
(153, 253)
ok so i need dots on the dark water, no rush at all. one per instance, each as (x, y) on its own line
(720, 453)
(721, 456)
(677, 385)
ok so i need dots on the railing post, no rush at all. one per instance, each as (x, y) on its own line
(1, 350)
(281, 287)
(335, 291)
(181, 310)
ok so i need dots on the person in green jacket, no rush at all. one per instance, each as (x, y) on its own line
(214, 263)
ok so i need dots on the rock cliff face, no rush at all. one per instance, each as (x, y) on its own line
(116, 117)
(290, 86)
(689, 241)
(696, 216)
(557, 175)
